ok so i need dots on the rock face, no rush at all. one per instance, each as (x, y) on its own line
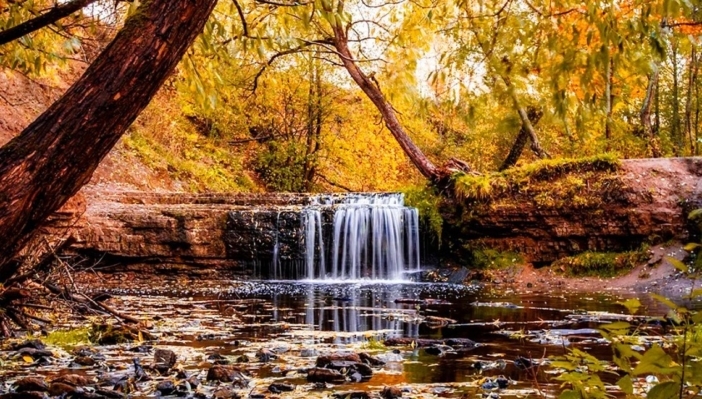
(235, 235)
(647, 201)
(198, 233)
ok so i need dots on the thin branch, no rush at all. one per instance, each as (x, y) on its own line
(48, 18)
(240, 11)
(295, 3)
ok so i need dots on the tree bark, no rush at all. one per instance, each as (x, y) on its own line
(371, 89)
(57, 154)
(691, 81)
(608, 100)
(645, 114)
(58, 12)
(515, 152)
(675, 132)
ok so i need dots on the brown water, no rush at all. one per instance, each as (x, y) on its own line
(300, 320)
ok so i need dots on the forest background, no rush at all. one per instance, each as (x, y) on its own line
(262, 103)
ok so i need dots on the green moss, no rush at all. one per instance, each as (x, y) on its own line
(487, 258)
(68, 338)
(601, 264)
(548, 183)
(427, 201)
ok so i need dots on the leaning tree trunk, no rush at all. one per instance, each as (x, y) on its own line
(56, 155)
(371, 89)
(515, 152)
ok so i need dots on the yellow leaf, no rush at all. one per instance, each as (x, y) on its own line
(28, 359)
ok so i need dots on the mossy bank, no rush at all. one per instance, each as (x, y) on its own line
(558, 208)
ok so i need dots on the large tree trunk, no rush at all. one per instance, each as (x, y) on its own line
(515, 152)
(56, 155)
(371, 89)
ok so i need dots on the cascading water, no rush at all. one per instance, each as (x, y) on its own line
(372, 236)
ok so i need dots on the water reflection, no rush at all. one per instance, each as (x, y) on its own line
(354, 313)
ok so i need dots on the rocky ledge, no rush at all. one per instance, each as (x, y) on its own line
(640, 201)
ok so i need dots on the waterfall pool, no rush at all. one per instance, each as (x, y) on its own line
(294, 323)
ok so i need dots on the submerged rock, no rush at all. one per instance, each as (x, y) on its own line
(391, 393)
(225, 393)
(28, 384)
(23, 395)
(325, 375)
(166, 387)
(351, 395)
(278, 387)
(225, 373)
(32, 343)
(165, 357)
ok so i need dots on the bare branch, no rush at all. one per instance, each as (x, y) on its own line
(48, 18)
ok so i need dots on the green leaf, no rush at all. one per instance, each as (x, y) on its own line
(632, 305)
(569, 394)
(626, 385)
(667, 302)
(619, 325)
(656, 361)
(665, 390)
(677, 264)
(691, 246)
(695, 214)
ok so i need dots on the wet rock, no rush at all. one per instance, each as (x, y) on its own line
(125, 386)
(355, 376)
(323, 361)
(28, 384)
(71, 379)
(141, 349)
(350, 368)
(34, 353)
(308, 353)
(165, 357)
(523, 363)
(62, 388)
(225, 373)
(32, 343)
(351, 395)
(391, 393)
(264, 355)
(139, 372)
(109, 393)
(242, 359)
(368, 359)
(24, 395)
(166, 387)
(84, 361)
(325, 375)
(278, 387)
(216, 358)
(225, 393)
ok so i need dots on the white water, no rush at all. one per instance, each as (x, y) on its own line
(372, 237)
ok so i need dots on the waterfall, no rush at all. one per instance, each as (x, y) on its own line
(372, 236)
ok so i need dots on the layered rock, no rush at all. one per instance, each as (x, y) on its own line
(645, 201)
(236, 234)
